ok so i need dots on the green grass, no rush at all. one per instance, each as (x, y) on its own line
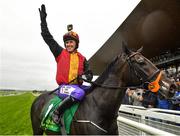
(15, 114)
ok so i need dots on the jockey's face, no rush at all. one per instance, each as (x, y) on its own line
(70, 45)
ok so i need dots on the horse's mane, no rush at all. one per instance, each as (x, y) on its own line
(104, 75)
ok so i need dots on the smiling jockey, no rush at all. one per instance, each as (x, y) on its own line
(70, 63)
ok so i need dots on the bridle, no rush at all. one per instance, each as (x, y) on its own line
(149, 83)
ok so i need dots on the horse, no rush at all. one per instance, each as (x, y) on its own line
(97, 113)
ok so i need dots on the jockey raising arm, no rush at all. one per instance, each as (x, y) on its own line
(70, 63)
(67, 58)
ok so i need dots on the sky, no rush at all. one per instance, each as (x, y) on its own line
(26, 62)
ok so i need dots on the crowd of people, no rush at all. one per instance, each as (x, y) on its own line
(148, 99)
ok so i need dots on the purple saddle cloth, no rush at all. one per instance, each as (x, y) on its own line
(75, 91)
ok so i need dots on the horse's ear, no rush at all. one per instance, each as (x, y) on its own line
(140, 49)
(125, 49)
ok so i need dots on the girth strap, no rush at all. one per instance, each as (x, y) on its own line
(94, 124)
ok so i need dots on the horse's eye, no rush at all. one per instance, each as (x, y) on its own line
(140, 60)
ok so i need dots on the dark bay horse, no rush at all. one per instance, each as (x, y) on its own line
(98, 112)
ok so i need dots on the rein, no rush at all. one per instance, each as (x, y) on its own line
(110, 87)
(151, 85)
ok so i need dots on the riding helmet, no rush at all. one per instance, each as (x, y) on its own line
(71, 35)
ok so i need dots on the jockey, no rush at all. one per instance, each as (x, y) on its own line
(70, 63)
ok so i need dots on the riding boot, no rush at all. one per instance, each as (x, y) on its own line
(65, 104)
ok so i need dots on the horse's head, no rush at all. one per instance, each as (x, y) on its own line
(143, 73)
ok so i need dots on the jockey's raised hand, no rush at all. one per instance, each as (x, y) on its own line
(42, 13)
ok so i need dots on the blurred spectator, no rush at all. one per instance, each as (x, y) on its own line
(137, 97)
(176, 101)
(128, 97)
(163, 104)
(149, 99)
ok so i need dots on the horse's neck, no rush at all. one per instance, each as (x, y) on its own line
(108, 100)
(102, 104)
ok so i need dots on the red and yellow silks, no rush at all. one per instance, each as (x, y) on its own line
(69, 65)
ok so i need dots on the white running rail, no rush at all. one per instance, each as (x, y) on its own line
(137, 120)
(144, 128)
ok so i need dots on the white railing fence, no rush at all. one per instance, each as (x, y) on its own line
(135, 120)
